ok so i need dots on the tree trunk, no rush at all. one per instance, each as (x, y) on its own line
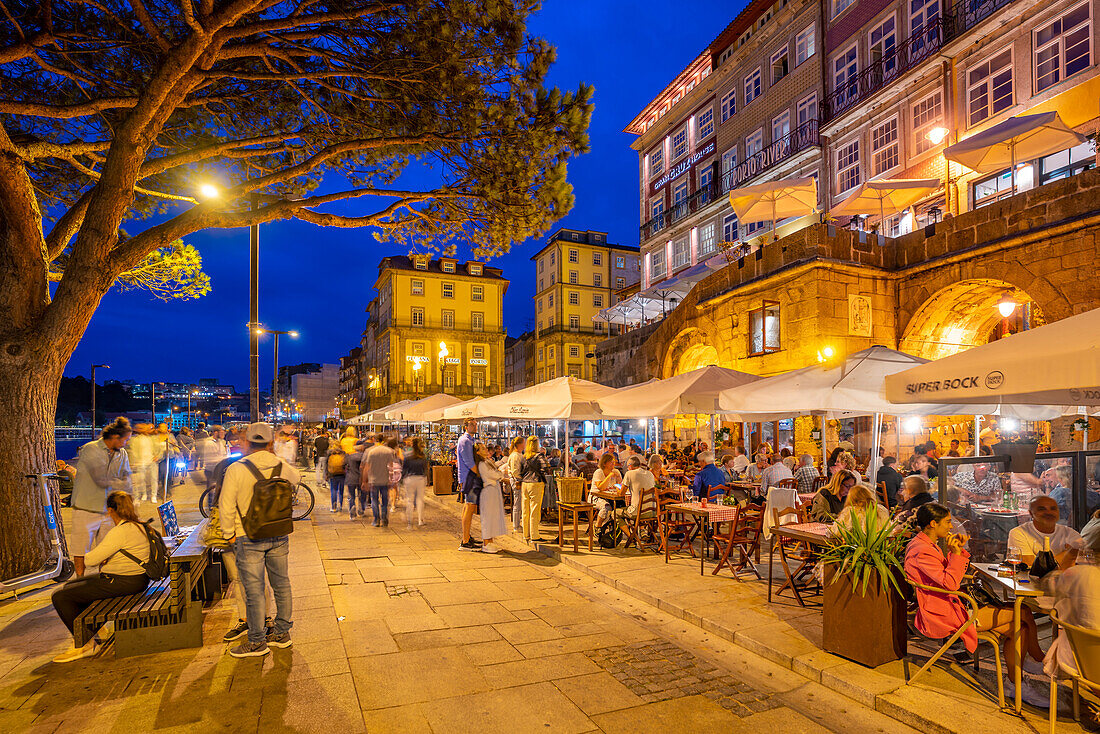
(28, 396)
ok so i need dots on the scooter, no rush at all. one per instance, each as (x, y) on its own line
(57, 567)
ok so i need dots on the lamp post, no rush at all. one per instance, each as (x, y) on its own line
(1006, 307)
(94, 367)
(256, 331)
(416, 376)
(443, 366)
(190, 392)
(936, 136)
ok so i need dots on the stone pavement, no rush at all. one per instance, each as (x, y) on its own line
(397, 630)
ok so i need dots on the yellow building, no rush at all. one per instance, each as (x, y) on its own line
(424, 304)
(577, 274)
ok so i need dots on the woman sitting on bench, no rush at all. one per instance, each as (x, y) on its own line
(119, 555)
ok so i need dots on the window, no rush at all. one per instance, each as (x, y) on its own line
(573, 277)
(420, 263)
(597, 300)
(553, 253)
(924, 16)
(884, 48)
(847, 166)
(845, 68)
(708, 239)
(448, 319)
(989, 87)
(780, 65)
(927, 114)
(753, 227)
(576, 236)
(620, 283)
(597, 258)
(656, 162)
(884, 146)
(542, 261)
(657, 208)
(804, 44)
(448, 290)
(552, 371)
(541, 358)
(657, 263)
(781, 126)
(706, 175)
(574, 256)
(448, 379)
(754, 143)
(597, 280)
(729, 162)
(752, 86)
(477, 293)
(704, 124)
(807, 109)
(479, 381)
(418, 349)
(729, 228)
(839, 6)
(729, 105)
(1062, 48)
(991, 189)
(681, 253)
(550, 352)
(448, 266)
(620, 262)
(418, 317)
(764, 329)
(550, 323)
(539, 301)
(550, 301)
(574, 351)
(477, 352)
(680, 143)
(574, 298)
(574, 321)
(477, 321)
(680, 191)
(475, 269)
(417, 287)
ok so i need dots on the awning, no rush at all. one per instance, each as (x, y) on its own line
(1018, 138)
(416, 410)
(566, 398)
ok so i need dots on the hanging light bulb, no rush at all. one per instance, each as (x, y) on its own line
(1007, 305)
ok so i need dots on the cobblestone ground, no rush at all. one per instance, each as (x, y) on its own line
(396, 630)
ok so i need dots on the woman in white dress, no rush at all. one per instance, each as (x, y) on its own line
(493, 522)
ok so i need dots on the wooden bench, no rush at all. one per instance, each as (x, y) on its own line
(168, 614)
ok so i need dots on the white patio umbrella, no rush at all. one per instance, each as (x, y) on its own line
(377, 415)
(415, 411)
(457, 411)
(1022, 137)
(774, 200)
(1053, 365)
(692, 392)
(563, 398)
(886, 194)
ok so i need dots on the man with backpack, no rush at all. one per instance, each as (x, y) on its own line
(255, 512)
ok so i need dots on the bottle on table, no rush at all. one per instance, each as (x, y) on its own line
(1044, 561)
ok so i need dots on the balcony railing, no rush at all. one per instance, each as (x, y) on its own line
(798, 139)
(923, 44)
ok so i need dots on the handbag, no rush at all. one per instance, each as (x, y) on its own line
(212, 534)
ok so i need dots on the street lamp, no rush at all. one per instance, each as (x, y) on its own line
(190, 392)
(416, 374)
(256, 332)
(443, 365)
(1006, 306)
(936, 136)
(94, 367)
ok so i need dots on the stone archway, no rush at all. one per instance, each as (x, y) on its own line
(690, 350)
(964, 315)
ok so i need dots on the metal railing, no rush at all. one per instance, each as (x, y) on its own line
(798, 139)
(922, 45)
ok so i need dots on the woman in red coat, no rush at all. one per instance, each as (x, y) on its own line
(939, 615)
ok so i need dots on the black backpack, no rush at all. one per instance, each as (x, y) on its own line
(270, 510)
(157, 565)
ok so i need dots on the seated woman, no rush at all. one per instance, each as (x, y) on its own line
(604, 480)
(860, 499)
(119, 557)
(940, 615)
(827, 502)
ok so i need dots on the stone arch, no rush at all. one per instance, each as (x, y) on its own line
(964, 314)
(689, 350)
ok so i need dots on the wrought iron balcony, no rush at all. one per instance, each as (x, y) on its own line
(921, 46)
(798, 139)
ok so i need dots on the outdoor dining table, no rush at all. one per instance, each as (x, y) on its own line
(811, 533)
(1020, 590)
(806, 498)
(712, 514)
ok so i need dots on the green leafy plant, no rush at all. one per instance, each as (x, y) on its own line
(866, 549)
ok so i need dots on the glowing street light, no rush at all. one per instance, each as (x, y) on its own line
(825, 354)
(1007, 305)
(937, 134)
(209, 191)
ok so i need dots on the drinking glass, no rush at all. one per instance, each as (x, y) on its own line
(1012, 557)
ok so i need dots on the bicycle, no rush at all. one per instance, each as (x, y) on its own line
(301, 502)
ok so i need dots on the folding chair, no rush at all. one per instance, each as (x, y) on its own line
(744, 535)
(990, 637)
(644, 523)
(1085, 644)
(670, 522)
(792, 552)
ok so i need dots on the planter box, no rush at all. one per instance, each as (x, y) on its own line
(1021, 456)
(869, 630)
(442, 480)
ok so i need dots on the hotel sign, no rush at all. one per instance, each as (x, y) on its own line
(479, 362)
(684, 166)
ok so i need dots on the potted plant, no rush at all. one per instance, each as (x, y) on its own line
(864, 608)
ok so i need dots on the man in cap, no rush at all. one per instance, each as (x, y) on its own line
(254, 556)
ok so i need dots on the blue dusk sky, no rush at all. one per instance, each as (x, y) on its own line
(319, 280)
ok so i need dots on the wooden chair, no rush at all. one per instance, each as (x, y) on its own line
(717, 492)
(820, 482)
(884, 498)
(644, 524)
(990, 637)
(1085, 644)
(790, 483)
(744, 535)
(670, 522)
(797, 558)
